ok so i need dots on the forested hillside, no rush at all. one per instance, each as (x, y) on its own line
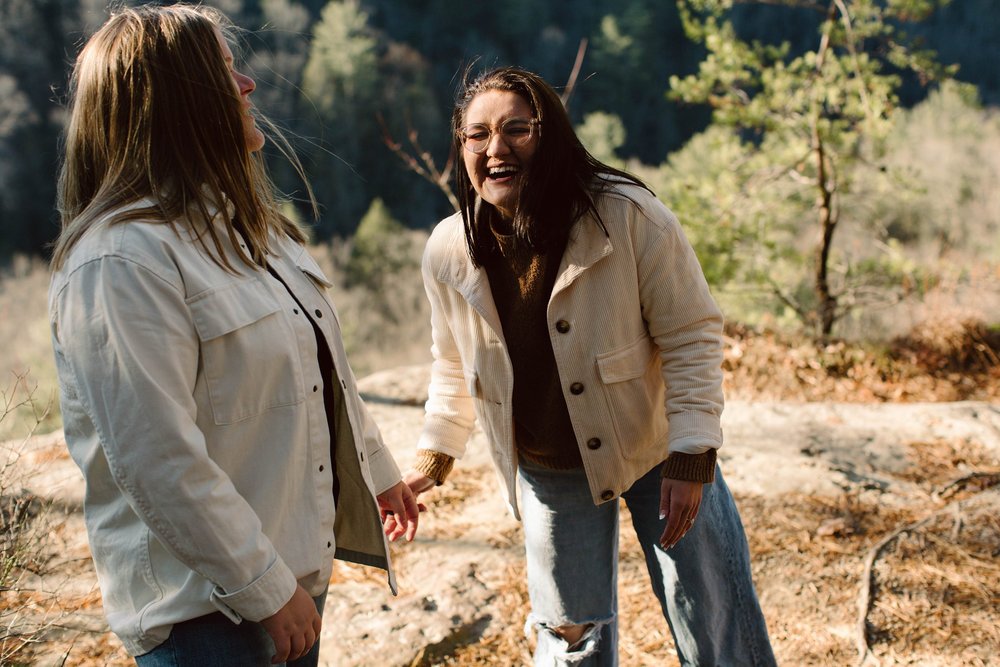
(343, 77)
(326, 70)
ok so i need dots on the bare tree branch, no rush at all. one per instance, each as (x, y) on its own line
(423, 163)
(571, 82)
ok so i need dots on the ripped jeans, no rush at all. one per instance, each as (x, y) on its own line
(703, 583)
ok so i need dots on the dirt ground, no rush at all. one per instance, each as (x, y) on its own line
(874, 530)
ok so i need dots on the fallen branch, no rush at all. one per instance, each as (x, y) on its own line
(865, 598)
(865, 595)
(989, 478)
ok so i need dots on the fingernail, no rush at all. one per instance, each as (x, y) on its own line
(663, 515)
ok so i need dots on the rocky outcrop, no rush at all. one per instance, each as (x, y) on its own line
(451, 575)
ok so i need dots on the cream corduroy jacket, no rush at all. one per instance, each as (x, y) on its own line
(636, 335)
(192, 402)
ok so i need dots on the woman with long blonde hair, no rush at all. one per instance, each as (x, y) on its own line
(205, 391)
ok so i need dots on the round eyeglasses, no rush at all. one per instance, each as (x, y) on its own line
(515, 132)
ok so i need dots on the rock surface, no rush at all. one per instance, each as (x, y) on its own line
(449, 576)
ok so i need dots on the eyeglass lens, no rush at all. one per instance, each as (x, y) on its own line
(515, 132)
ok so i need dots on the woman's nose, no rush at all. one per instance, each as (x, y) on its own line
(497, 145)
(247, 85)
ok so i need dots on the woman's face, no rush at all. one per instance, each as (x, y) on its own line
(494, 172)
(244, 86)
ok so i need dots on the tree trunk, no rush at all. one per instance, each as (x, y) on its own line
(826, 301)
(826, 305)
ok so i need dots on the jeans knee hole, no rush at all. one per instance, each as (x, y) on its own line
(566, 653)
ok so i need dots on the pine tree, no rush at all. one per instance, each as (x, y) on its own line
(805, 119)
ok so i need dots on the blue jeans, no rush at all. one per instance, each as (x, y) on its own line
(703, 583)
(215, 641)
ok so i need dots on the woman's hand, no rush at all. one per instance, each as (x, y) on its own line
(294, 628)
(400, 512)
(416, 483)
(679, 503)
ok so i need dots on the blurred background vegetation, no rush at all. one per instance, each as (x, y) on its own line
(834, 162)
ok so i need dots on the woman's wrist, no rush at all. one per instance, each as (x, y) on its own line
(435, 465)
(690, 467)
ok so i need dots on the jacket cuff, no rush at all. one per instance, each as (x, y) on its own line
(435, 465)
(260, 599)
(690, 467)
(385, 472)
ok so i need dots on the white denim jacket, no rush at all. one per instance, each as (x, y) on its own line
(636, 335)
(192, 401)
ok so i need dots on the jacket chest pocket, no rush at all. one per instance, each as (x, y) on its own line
(630, 377)
(250, 361)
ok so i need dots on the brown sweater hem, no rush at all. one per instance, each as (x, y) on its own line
(553, 462)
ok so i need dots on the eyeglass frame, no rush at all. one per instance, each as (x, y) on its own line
(534, 123)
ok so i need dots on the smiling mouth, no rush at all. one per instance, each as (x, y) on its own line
(502, 172)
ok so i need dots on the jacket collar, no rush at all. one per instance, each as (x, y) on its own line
(587, 244)
(470, 281)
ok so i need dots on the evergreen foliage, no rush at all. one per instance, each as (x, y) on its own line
(805, 121)
(341, 77)
(380, 250)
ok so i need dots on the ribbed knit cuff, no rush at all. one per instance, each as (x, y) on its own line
(434, 464)
(690, 467)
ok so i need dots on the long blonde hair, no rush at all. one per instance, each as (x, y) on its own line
(154, 114)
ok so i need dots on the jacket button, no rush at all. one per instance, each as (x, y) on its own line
(594, 443)
(576, 388)
(562, 326)
(318, 312)
(607, 494)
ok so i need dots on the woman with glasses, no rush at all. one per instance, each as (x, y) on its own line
(205, 391)
(571, 317)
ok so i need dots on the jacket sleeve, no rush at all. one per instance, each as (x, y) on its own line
(128, 352)
(686, 325)
(449, 409)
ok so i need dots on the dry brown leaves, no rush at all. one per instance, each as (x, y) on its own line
(936, 589)
(957, 362)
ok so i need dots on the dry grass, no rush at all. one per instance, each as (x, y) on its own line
(26, 350)
(384, 328)
(936, 589)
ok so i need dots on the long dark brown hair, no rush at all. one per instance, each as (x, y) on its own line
(555, 191)
(154, 114)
